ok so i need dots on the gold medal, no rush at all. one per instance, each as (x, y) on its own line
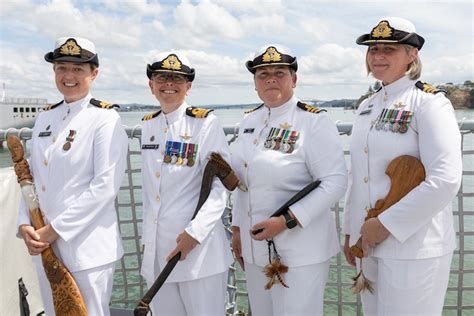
(277, 143)
(291, 148)
(190, 162)
(403, 128)
(179, 161)
(167, 159)
(66, 146)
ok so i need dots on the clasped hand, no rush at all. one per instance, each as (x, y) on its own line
(372, 232)
(269, 228)
(37, 240)
(184, 243)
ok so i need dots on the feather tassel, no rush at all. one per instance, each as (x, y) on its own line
(274, 271)
(361, 283)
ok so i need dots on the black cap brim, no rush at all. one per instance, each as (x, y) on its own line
(49, 57)
(411, 39)
(190, 75)
(250, 65)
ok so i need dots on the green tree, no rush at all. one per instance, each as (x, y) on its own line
(471, 99)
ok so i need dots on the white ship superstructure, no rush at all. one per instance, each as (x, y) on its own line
(20, 112)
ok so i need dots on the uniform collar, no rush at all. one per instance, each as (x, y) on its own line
(78, 105)
(284, 107)
(397, 86)
(176, 114)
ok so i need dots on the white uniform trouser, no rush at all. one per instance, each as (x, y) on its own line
(406, 287)
(200, 297)
(95, 285)
(305, 295)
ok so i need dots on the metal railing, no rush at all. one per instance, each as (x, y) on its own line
(339, 300)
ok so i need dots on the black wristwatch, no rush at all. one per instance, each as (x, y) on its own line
(290, 221)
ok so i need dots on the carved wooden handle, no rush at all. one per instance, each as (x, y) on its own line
(406, 173)
(22, 169)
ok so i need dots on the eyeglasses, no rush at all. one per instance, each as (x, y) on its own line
(162, 78)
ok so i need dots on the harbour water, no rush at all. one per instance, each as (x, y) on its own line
(231, 117)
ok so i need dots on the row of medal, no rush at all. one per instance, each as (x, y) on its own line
(69, 139)
(393, 120)
(180, 154)
(280, 139)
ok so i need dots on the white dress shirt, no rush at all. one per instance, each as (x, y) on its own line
(273, 177)
(171, 192)
(77, 187)
(420, 224)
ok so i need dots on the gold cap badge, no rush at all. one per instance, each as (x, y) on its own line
(171, 62)
(70, 48)
(271, 55)
(383, 30)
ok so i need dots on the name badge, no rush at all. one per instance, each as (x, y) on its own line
(44, 134)
(150, 146)
(249, 130)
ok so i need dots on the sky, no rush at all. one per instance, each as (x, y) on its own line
(218, 37)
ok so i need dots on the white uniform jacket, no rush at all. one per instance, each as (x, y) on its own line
(77, 187)
(421, 223)
(171, 193)
(273, 177)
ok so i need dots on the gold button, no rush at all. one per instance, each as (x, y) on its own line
(43, 188)
(366, 149)
(255, 141)
(157, 198)
(366, 179)
(157, 174)
(45, 162)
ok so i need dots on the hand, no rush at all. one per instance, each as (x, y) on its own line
(47, 234)
(32, 240)
(185, 243)
(270, 228)
(347, 252)
(237, 246)
(372, 233)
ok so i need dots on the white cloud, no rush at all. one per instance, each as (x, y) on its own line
(199, 25)
(456, 69)
(131, 7)
(331, 58)
(252, 6)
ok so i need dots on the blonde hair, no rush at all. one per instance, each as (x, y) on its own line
(414, 68)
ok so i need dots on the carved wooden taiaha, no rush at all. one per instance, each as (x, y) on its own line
(67, 298)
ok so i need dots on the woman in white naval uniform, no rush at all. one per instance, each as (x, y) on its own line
(176, 143)
(78, 159)
(283, 145)
(409, 247)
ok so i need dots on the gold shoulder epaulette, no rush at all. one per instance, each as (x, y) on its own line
(309, 108)
(197, 112)
(52, 106)
(426, 87)
(151, 116)
(103, 104)
(252, 110)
